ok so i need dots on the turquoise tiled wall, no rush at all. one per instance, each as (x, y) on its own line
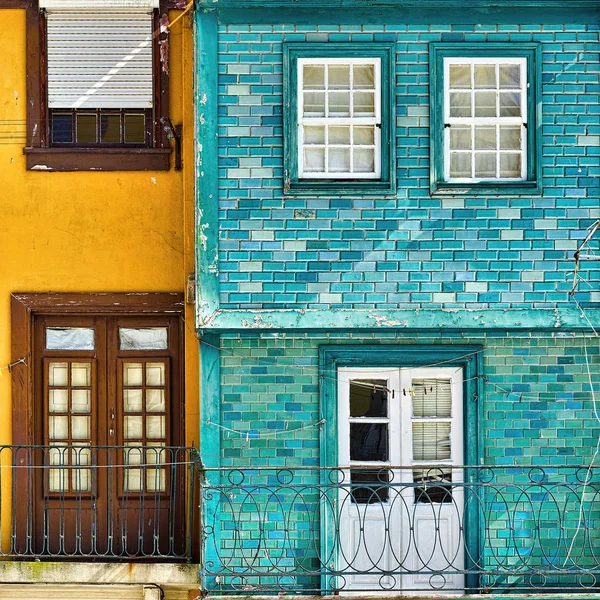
(412, 250)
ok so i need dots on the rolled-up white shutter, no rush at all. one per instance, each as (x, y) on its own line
(100, 58)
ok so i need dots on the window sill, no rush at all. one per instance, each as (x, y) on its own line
(341, 188)
(488, 189)
(97, 159)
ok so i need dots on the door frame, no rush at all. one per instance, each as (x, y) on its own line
(25, 307)
(467, 357)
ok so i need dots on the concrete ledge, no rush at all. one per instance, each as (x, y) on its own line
(99, 573)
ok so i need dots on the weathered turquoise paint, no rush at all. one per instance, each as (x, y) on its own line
(207, 189)
(468, 358)
(533, 54)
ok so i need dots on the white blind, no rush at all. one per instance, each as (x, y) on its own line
(100, 58)
(432, 398)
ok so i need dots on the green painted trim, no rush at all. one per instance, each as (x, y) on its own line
(206, 167)
(210, 450)
(533, 53)
(293, 185)
(560, 318)
(469, 358)
(349, 12)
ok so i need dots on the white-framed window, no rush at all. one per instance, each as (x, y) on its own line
(485, 119)
(339, 118)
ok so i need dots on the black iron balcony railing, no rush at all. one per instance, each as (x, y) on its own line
(98, 502)
(433, 529)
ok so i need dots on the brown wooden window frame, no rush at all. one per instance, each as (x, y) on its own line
(42, 155)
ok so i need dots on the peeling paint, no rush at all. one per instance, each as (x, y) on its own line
(256, 324)
(163, 44)
(202, 236)
(41, 168)
(203, 99)
(382, 321)
(153, 180)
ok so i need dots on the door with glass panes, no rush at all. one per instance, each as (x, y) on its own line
(108, 423)
(400, 446)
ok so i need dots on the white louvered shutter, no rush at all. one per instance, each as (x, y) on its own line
(99, 58)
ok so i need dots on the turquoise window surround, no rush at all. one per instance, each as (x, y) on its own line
(533, 55)
(468, 358)
(293, 185)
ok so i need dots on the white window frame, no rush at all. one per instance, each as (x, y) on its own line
(491, 121)
(348, 121)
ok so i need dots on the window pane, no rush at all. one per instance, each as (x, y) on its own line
(364, 161)
(155, 374)
(510, 104)
(58, 401)
(86, 125)
(62, 128)
(364, 103)
(133, 427)
(364, 76)
(364, 136)
(460, 104)
(432, 398)
(133, 480)
(58, 428)
(369, 485)
(510, 138)
(58, 374)
(314, 160)
(339, 160)
(58, 455)
(368, 398)
(485, 165)
(81, 480)
(510, 165)
(510, 76)
(58, 480)
(155, 428)
(110, 128)
(135, 129)
(81, 374)
(314, 104)
(81, 401)
(485, 76)
(69, 338)
(156, 454)
(155, 480)
(133, 454)
(155, 400)
(314, 77)
(132, 374)
(460, 164)
(314, 134)
(339, 104)
(485, 138)
(460, 138)
(132, 400)
(339, 77)
(485, 104)
(431, 441)
(80, 428)
(148, 338)
(339, 135)
(434, 486)
(369, 441)
(460, 76)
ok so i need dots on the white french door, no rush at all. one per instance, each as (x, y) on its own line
(400, 446)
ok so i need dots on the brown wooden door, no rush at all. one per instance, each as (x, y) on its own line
(108, 480)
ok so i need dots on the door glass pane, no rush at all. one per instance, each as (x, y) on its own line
(156, 454)
(431, 441)
(155, 374)
(339, 160)
(81, 401)
(313, 77)
(133, 454)
(81, 478)
(510, 104)
(460, 138)
(314, 160)
(132, 400)
(364, 160)
(155, 428)
(58, 374)
(510, 76)
(80, 428)
(460, 104)
(364, 136)
(369, 441)
(364, 77)
(110, 128)
(155, 400)
(460, 164)
(133, 427)
(69, 338)
(364, 104)
(510, 165)
(368, 398)
(485, 165)
(133, 480)
(58, 401)
(132, 374)
(485, 138)
(339, 77)
(460, 76)
(432, 397)
(314, 104)
(369, 486)
(485, 76)
(432, 485)
(148, 338)
(510, 138)
(81, 374)
(58, 428)
(155, 480)
(314, 134)
(58, 480)
(339, 135)
(485, 104)
(339, 104)
(135, 129)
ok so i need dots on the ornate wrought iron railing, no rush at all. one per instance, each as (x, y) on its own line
(444, 529)
(99, 502)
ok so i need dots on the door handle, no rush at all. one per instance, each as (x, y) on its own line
(111, 432)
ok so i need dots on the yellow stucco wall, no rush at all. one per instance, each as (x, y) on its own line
(91, 231)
